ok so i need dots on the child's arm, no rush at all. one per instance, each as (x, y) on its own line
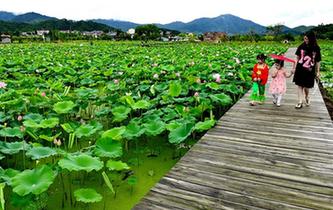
(286, 73)
(274, 73)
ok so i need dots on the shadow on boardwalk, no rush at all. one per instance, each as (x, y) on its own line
(261, 157)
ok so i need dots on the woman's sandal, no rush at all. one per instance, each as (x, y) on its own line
(298, 106)
(307, 101)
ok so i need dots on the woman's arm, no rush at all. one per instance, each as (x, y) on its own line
(286, 73)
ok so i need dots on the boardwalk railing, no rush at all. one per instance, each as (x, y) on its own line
(262, 157)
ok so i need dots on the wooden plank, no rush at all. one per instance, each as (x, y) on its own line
(257, 190)
(262, 157)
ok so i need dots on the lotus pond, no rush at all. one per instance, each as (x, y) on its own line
(327, 67)
(96, 126)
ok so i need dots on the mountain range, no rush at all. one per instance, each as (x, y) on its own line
(224, 23)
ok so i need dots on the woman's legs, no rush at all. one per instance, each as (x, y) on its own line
(307, 99)
(300, 93)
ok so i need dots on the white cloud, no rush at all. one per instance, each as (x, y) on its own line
(269, 12)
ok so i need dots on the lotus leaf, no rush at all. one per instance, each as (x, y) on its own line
(213, 85)
(203, 126)
(153, 128)
(114, 133)
(33, 181)
(222, 98)
(85, 130)
(49, 123)
(4, 117)
(67, 127)
(142, 104)
(63, 107)
(2, 197)
(7, 175)
(106, 147)
(33, 116)
(133, 130)
(31, 124)
(81, 162)
(37, 153)
(178, 135)
(87, 195)
(175, 88)
(13, 147)
(113, 165)
(120, 113)
(11, 132)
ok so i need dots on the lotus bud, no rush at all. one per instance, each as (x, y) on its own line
(59, 142)
(19, 118)
(178, 74)
(116, 81)
(230, 74)
(120, 73)
(163, 72)
(43, 94)
(155, 76)
(198, 80)
(237, 60)
(22, 128)
(154, 64)
(196, 94)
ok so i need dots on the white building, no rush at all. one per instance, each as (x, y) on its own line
(5, 39)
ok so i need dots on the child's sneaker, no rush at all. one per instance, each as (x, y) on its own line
(252, 103)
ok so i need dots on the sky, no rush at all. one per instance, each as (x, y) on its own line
(291, 13)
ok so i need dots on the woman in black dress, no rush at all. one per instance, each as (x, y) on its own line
(307, 68)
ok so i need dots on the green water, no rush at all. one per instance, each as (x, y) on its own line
(149, 171)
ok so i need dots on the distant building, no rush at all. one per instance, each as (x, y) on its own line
(42, 32)
(5, 39)
(215, 37)
(112, 33)
(94, 34)
(28, 33)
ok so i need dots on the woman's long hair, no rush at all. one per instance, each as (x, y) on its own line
(312, 38)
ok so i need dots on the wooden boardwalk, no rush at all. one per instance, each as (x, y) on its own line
(261, 157)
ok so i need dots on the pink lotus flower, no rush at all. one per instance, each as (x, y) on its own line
(43, 94)
(155, 76)
(19, 118)
(217, 78)
(196, 94)
(3, 84)
(116, 81)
